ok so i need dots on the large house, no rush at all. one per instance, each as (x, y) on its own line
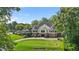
(44, 29)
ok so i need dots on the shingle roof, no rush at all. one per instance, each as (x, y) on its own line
(46, 23)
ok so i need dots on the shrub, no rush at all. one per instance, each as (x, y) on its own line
(29, 34)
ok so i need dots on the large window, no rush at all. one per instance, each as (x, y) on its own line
(42, 30)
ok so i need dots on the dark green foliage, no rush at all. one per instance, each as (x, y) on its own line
(29, 34)
(35, 22)
(21, 26)
(43, 20)
(5, 14)
(67, 22)
(5, 41)
(11, 26)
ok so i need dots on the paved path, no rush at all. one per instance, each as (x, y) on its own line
(35, 38)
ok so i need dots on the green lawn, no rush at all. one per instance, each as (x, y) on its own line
(15, 36)
(40, 45)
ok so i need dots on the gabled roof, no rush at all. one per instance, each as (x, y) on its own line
(46, 23)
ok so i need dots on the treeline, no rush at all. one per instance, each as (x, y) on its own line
(67, 22)
(19, 26)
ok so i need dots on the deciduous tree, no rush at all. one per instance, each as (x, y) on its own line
(5, 15)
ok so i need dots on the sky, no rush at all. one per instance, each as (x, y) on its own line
(28, 14)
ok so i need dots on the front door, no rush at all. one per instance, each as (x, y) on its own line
(42, 35)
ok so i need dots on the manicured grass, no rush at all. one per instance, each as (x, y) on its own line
(40, 45)
(15, 37)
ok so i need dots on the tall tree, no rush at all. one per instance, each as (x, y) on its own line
(67, 20)
(35, 22)
(44, 19)
(19, 26)
(12, 25)
(5, 15)
(27, 26)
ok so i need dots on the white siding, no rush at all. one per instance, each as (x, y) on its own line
(44, 27)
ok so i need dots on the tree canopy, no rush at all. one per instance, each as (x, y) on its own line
(5, 15)
(67, 22)
(35, 22)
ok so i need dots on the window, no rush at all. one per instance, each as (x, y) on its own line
(51, 31)
(42, 30)
(34, 30)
